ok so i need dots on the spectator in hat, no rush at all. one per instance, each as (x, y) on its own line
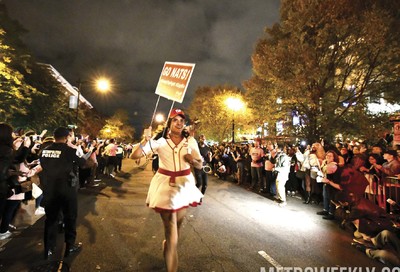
(392, 165)
(173, 187)
(384, 140)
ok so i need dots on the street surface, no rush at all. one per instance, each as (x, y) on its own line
(235, 230)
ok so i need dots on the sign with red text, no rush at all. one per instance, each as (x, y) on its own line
(174, 80)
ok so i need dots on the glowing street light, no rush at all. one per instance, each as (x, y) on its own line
(159, 118)
(234, 104)
(102, 84)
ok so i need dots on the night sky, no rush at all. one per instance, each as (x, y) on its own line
(129, 41)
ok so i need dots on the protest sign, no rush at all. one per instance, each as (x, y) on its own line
(174, 80)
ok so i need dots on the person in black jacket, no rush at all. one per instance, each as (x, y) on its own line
(206, 154)
(7, 158)
(60, 163)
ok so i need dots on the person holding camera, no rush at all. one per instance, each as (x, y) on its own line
(331, 183)
(200, 174)
(12, 152)
(20, 174)
(269, 165)
(257, 156)
(59, 162)
(282, 167)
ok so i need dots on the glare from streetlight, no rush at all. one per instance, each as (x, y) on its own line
(103, 85)
(159, 118)
(234, 103)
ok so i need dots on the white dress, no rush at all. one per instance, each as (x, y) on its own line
(173, 194)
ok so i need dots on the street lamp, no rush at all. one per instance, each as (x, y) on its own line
(159, 118)
(234, 104)
(101, 84)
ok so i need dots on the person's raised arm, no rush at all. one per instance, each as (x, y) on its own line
(138, 152)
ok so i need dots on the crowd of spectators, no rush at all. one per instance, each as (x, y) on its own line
(355, 183)
(302, 165)
(21, 171)
(351, 180)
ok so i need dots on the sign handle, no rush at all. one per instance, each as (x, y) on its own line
(172, 106)
(154, 113)
(165, 125)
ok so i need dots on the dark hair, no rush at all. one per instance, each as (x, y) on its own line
(291, 151)
(280, 145)
(375, 156)
(335, 155)
(61, 132)
(6, 137)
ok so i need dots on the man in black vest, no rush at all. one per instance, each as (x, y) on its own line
(59, 178)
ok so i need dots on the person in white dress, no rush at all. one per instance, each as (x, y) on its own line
(173, 187)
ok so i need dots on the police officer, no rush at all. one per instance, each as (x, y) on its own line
(59, 162)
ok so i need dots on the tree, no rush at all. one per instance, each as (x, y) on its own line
(209, 107)
(49, 109)
(92, 122)
(325, 60)
(15, 93)
(31, 97)
(117, 127)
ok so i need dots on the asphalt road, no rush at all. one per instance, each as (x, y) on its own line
(234, 230)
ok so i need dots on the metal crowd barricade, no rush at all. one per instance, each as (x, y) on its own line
(391, 191)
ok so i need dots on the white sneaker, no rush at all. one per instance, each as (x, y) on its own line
(11, 226)
(97, 180)
(40, 211)
(111, 175)
(282, 204)
(5, 235)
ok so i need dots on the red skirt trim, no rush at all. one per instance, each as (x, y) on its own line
(157, 209)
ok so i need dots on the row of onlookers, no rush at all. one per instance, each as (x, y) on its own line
(259, 166)
(20, 168)
(356, 184)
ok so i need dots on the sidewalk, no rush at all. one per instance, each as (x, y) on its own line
(24, 218)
